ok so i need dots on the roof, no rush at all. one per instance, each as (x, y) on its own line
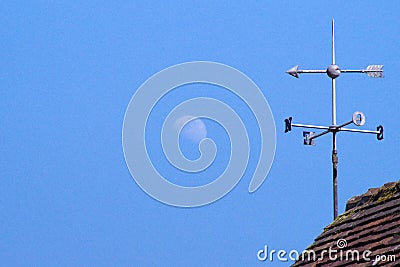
(369, 228)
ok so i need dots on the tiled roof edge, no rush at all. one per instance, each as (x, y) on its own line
(373, 195)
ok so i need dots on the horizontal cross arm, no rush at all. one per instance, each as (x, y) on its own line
(345, 124)
(310, 126)
(311, 71)
(318, 135)
(360, 71)
(359, 131)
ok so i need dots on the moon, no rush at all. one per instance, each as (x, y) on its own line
(193, 130)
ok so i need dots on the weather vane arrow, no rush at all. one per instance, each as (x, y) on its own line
(358, 118)
(333, 71)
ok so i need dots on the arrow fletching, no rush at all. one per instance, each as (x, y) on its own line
(375, 71)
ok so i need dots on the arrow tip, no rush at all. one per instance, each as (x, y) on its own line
(293, 71)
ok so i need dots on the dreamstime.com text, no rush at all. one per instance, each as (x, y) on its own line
(339, 254)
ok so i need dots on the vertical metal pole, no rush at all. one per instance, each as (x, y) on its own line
(333, 80)
(334, 175)
(334, 154)
(333, 41)
(333, 102)
(334, 151)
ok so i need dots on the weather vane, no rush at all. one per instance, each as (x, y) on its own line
(358, 118)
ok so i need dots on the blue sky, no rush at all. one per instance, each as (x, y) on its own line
(70, 69)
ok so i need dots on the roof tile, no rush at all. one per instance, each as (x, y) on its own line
(370, 224)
